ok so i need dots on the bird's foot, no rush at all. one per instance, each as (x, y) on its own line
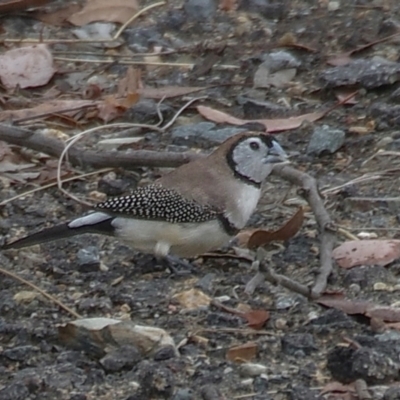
(177, 266)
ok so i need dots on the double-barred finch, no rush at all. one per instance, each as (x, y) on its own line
(195, 208)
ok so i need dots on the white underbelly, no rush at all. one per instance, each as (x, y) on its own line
(162, 238)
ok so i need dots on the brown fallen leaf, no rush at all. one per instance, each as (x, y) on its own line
(339, 302)
(366, 252)
(57, 17)
(113, 107)
(29, 66)
(228, 5)
(272, 125)
(69, 107)
(385, 313)
(243, 352)
(103, 10)
(338, 391)
(256, 318)
(261, 237)
(8, 6)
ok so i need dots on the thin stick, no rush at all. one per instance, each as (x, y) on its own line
(130, 62)
(41, 291)
(137, 15)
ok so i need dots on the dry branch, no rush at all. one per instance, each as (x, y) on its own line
(79, 156)
(326, 226)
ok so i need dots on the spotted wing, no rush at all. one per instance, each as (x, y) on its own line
(154, 202)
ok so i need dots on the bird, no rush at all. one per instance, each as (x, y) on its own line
(198, 207)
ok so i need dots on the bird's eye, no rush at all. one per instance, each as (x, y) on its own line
(254, 145)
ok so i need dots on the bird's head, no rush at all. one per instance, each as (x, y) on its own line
(252, 155)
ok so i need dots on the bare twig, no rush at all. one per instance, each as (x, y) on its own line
(324, 222)
(41, 291)
(89, 158)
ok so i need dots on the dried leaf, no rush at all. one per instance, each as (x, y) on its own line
(228, 5)
(366, 252)
(385, 313)
(244, 352)
(272, 125)
(104, 10)
(256, 318)
(341, 303)
(29, 66)
(262, 237)
(7, 6)
(113, 107)
(57, 17)
(70, 107)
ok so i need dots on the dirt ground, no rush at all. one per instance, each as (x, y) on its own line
(303, 347)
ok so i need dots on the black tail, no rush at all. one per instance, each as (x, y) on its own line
(61, 232)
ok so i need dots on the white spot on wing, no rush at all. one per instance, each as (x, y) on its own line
(90, 219)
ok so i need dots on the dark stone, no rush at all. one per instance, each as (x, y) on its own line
(114, 187)
(88, 259)
(20, 353)
(14, 391)
(184, 394)
(366, 73)
(123, 358)
(293, 343)
(347, 364)
(271, 9)
(325, 140)
(300, 392)
(390, 114)
(165, 353)
(156, 380)
(200, 10)
(392, 393)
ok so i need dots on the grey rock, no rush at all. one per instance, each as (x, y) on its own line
(278, 69)
(392, 393)
(300, 392)
(183, 394)
(203, 134)
(14, 391)
(348, 364)
(267, 8)
(206, 282)
(383, 112)
(200, 10)
(296, 343)
(20, 353)
(125, 357)
(88, 259)
(142, 39)
(252, 369)
(367, 73)
(156, 380)
(278, 60)
(325, 139)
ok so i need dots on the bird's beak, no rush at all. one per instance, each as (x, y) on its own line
(276, 154)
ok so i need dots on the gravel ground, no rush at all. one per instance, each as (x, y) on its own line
(267, 59)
